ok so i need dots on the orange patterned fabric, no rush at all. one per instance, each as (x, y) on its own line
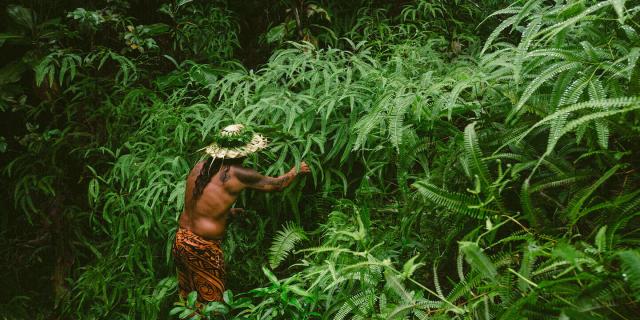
(200, 265)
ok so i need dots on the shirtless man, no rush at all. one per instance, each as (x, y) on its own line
(212, 188)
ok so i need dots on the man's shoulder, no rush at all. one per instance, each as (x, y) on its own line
(244, 174)
(195, 170)
(240, 167)
(198, 166)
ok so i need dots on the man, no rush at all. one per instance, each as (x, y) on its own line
(212, 187)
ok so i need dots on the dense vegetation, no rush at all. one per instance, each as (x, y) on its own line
(470, 159)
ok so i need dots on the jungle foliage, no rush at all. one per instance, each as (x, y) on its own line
(470, 159)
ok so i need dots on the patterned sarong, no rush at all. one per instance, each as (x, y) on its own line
(200, 265)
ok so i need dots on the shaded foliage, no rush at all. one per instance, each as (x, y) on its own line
(468, 162)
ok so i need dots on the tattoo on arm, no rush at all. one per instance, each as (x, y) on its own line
(247, 176)
(257, 181)
(277, 183)
(282, 181)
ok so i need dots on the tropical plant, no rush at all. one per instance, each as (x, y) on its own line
(469, 161)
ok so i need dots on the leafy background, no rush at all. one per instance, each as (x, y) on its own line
(470, 160)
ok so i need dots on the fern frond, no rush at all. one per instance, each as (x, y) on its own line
(460, 268)
(545, 76)
(527, 9)
(496, 32)
(575, 205)
(573, 92)
(555, 29)
(527, 37)
(356, 302)
(564, 80)
(527, 207)
(460, 289)
(628, 103)
(284, 242)
(630, 262)
(515, 236)
(477, 164)
(528, 260)
(552, 53)
(436, 282)
(572, 125)
(596, 91)
(634, 80)
(396, 120)
(394, 283)
(474, 154)
(455, 202)
(366, 124)
(478, 260)
(546, 184)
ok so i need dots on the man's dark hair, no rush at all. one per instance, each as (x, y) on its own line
(209, 169)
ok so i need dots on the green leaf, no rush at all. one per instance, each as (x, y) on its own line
(227, 296)
(574, 208)
(601, 239)
(527, 206)
(478, 260)
(634, 80)
(272, 278)
(157, 29)
(176, 310)
(276, 34)
(12, 72)
(410, 267)
(3, 144)
(630, 261)
(22, 16)
(191, 298)
(618, 6)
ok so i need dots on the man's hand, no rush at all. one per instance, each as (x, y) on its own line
(304, 168)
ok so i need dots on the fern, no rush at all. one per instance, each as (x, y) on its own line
(455, 202)
(527, 37)
(545, 76)
(573, 92)
(634, 80)
(506, 23)
(527, 207)
(478, 260)
(596, 91)
(538, 124)
(611, 103)
(572, 125)
(630, 262)
(575, 206)
(396, 119)
(474, 155)
(477, 163)
(360, 302)
(284, 242)
(555, 29)
(542, 185)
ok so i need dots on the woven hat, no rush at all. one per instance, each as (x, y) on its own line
(235, 141)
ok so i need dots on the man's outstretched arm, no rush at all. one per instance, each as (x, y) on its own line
(254, 180)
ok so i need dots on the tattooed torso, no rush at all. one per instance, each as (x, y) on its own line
(208, 215)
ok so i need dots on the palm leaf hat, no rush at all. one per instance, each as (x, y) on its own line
(235, 141)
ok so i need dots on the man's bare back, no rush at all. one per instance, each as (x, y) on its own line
(207, 216)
